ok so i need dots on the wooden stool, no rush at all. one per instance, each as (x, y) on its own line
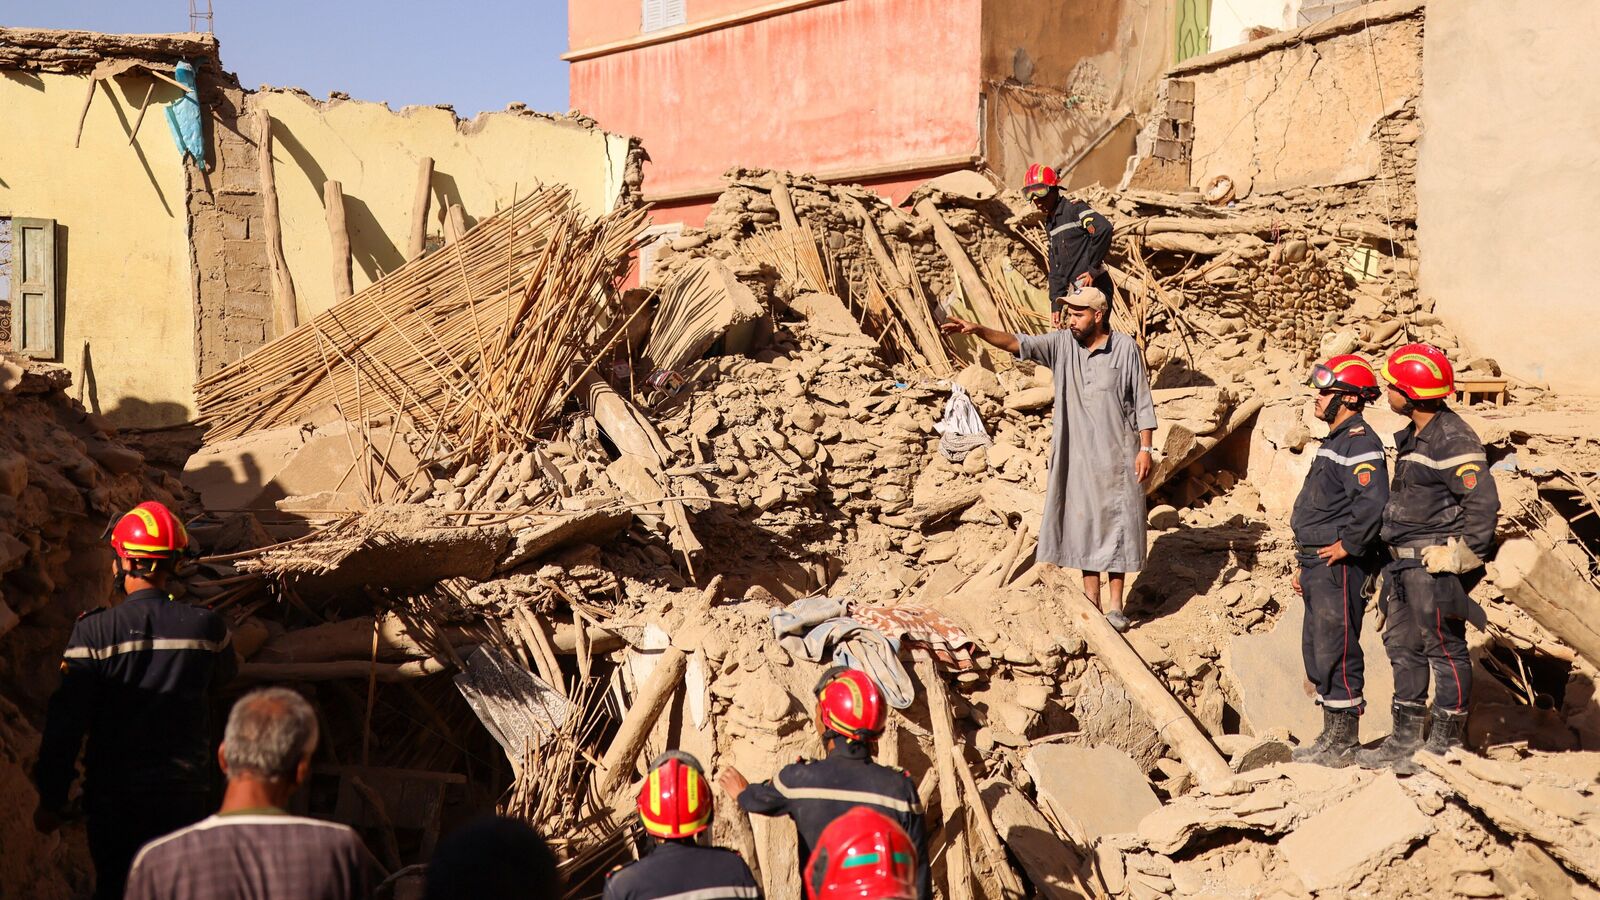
(1486, 388)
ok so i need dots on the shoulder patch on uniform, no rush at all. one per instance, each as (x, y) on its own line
(1356, 430)
(616, 868)
(1363, 473)
(1469, 475)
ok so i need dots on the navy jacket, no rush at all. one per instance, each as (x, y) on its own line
(1079, 239)
(1442, 487)
(136, 678)
(1344, 492)
(814, 793)
(676, 870)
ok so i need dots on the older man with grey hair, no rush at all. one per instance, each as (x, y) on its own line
(1100, 451)
(252, 848)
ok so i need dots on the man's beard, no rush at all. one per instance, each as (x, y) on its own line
(1085, 338)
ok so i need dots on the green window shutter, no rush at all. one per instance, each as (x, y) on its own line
(34, 297)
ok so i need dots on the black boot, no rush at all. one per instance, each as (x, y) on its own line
(1447, 731)
(1336, 746)
(1401, 743)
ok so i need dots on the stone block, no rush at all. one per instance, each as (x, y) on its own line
(1092, 791)
(1338, 845)
(1270, 675)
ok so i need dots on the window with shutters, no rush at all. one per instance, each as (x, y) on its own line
(28, 294)
(659, 14)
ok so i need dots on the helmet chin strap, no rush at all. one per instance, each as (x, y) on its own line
(1334, 405)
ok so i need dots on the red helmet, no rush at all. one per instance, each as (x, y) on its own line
(1420, 371)
(850, 703)
(149, 531)
(1349, 374)
(862, 855)
(675, 801)
(1040, 176)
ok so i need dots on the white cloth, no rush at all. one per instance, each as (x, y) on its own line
(961, 428)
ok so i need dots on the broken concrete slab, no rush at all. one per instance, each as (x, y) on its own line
(1339, 845)
(1043, 855)
(1092, 791)
(594, 526)
(256, 470)
(1269, 673)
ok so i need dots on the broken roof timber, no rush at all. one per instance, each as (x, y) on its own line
(1366, 15)
(75, 52)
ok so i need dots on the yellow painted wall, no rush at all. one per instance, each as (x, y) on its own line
(373, 153)
(121, 241)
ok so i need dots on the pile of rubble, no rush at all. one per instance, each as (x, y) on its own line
(512, 591)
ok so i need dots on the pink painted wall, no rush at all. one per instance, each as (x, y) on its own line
(845, 85)
(591, 22)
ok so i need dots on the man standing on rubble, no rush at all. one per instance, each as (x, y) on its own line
(137, 678)
(1439, 525)
(674, 806)
(850, 715)
(1335, 522)
(1079, 239)
(1101, 448)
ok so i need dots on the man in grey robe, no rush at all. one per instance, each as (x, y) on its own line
(1100, 452)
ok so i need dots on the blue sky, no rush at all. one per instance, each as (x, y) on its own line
(473, 54)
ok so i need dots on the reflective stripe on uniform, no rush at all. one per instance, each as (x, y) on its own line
(1373, 456)
(144, 644)
(1450, 463)
(1068, 226)
(715, 893)
(843, 796)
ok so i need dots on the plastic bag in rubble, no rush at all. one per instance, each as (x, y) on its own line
(816, 629)
(961, 430)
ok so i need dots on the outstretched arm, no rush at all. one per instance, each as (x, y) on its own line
(1004, 340)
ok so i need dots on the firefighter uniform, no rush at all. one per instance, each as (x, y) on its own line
(1079, 239)
(1341, 501)
(136, 679)
(814, 793)
(1442, 488)
(678, 870)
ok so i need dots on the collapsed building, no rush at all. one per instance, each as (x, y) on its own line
(516, 530)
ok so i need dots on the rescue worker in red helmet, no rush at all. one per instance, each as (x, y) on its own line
(1335, 520)
(850, 715)
(675, 806)
(862, 855)
(137, 679)
(1079, 239)
(1439, 526)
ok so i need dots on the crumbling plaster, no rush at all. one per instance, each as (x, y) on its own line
(1508, 181)
(121, 237)
(373, 151)
(1302, 114)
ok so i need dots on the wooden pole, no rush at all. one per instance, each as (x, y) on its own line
(616, 767)
(787, 220)
(956, 862)
(972, 284)
(284, 301)
(993, 846)
(419, 208)
(339, 240)
(1555, 594)
(1172, 720)
(83, 115)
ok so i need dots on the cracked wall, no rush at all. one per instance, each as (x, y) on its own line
(373, 151)
(1303, 113)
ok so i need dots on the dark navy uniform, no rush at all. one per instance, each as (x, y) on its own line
(136, 678)
(1342, 500)
(1079, 239)
(814, 793)
(679, 870)
(1442, 489)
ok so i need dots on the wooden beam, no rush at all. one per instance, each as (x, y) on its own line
(972, 284)
(284, 302)
(419, 208)
(455, 223)
(1172, 720)
(957, 864)
(330, 671)
(83, 114)
(1551, 591)
(338, 240)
